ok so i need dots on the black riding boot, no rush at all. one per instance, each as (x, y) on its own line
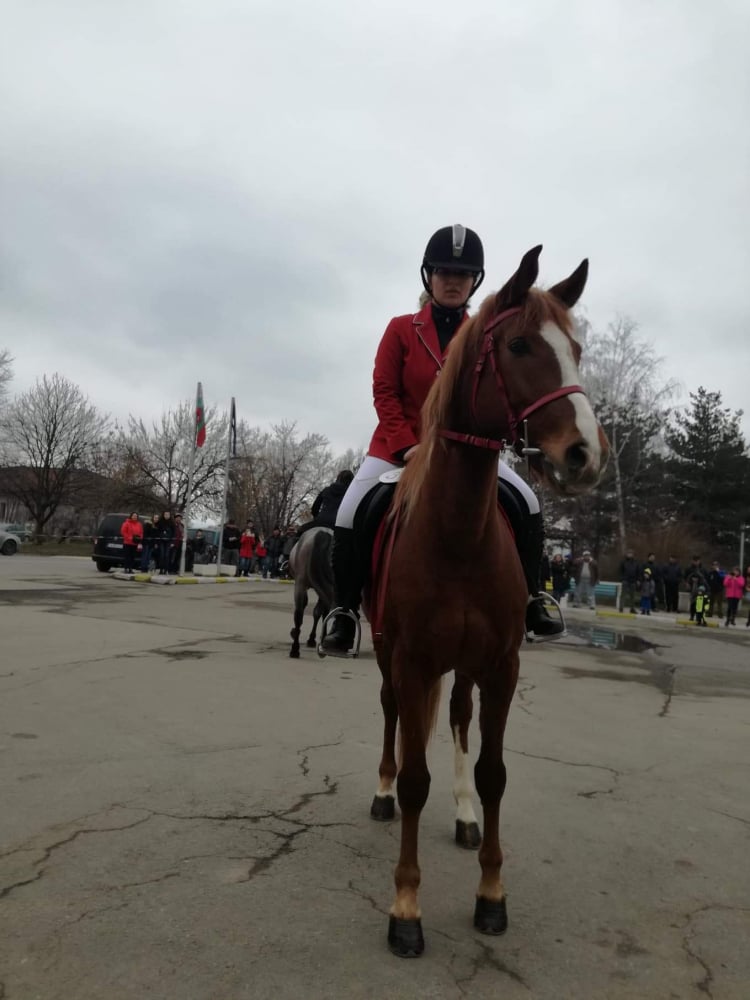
(348, 590)
(539, 625)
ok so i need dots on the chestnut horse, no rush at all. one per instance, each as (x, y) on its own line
(456, 599)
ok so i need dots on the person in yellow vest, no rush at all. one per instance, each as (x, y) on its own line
(702, 606)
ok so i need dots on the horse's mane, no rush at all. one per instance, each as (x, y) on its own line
(538, 308)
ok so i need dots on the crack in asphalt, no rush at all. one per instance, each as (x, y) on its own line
(147, 881)
(705, 984)
(522, 689)
(486, 960)
(305, 754)
(351, 887)
(572, 763)
(92, 914)
(740, 819)
(48, 851)
(671, 669)
(262, 864)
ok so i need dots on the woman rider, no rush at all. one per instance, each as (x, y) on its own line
(409, 358)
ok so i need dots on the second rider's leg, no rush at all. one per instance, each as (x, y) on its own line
(347, 563)
(530, 545)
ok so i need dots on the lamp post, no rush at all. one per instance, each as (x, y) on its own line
(743, 529)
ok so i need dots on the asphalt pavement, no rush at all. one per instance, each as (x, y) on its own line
(184, 810)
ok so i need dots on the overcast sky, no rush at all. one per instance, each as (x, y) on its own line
(241, 191)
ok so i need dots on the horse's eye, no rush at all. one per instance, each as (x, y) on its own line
(519, 346)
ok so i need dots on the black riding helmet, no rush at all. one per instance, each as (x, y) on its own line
(457, 249)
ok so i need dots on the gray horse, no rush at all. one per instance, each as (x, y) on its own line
(311, 568)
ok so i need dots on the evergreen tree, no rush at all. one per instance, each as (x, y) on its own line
(709, 467)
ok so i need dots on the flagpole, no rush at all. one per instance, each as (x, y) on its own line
(231, 437)
(186, 519)
(191, 470)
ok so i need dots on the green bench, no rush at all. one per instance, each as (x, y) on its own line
(604, 590)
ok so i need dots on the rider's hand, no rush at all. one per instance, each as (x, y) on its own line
(408, 455)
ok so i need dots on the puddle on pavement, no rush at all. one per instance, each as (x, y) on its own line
(607, 638)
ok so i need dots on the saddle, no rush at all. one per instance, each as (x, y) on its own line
(373, 531)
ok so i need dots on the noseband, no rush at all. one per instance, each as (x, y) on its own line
(514, 419)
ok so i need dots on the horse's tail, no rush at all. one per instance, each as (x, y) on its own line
(320, 570)
(431, 717)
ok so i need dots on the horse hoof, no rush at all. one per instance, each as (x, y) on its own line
(311, 643)
(468, 835)
(294, 653)
(490, 916)
(405, 937)
(383, 807)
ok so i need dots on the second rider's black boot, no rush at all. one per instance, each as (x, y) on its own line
(348, 588)
(540, 626)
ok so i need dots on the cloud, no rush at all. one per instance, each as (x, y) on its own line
(242, 192)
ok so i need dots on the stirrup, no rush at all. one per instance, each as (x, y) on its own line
(352, 653)
(548, 599)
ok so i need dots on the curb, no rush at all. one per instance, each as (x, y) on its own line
(168, 581)
(688, 623)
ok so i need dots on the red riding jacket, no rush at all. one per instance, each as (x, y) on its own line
(407, 363)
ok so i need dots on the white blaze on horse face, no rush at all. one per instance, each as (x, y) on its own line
(586, 422)
(463, 784)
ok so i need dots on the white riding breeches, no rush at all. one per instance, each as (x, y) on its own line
(373, 468)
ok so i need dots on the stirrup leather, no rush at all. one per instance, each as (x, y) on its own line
(352, 653)
(547, 599)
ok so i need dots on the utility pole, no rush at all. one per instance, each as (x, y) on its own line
(743, 529)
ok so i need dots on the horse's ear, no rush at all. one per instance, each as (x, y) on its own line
(517, 288)
(570, 290)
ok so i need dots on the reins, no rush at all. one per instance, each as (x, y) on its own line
(514, 420)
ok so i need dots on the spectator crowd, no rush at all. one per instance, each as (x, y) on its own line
(155, 544)
(649, 585)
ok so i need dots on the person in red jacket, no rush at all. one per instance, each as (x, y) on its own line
(409, 359)
(132, 536)
(247, 549)
(734, 588)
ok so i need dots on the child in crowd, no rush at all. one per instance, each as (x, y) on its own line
(261, 553)
(648, 590)
(702, 605)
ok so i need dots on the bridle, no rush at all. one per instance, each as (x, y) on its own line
(489, 335)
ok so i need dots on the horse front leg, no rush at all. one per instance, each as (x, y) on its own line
(490, 914)
(384, 804)
(468, 834)
(300, 603)
(415, 700)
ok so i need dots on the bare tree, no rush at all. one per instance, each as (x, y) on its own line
(157, 458)
(50, 433)
(6, 374)
(351, 459)
(276, 476)
(620, 373)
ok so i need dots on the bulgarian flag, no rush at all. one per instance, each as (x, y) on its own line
(200, 419)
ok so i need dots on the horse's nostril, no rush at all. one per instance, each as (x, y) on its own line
(577, 456)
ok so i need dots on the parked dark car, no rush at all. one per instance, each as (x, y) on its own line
(108, 547)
